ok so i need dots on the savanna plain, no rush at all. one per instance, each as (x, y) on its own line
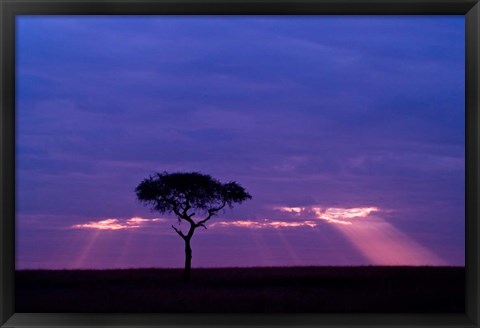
(365, 289)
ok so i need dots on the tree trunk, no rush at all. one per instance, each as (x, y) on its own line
(188, 260)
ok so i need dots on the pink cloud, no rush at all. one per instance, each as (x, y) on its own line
(303, 217)
(335, 215)
(264, 224)
(115, 224)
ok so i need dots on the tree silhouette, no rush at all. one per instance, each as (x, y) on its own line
(182, 194)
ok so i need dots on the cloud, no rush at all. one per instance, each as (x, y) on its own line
(300, 217)
(335, 215)
(343, 215)
(264, 224)
(116, 224)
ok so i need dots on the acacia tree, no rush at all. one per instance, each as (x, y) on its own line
(187, 195)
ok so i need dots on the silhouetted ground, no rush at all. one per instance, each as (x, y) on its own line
(287, 289)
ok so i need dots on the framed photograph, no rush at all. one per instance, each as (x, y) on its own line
(239, 163)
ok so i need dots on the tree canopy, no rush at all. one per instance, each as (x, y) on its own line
(178, 193)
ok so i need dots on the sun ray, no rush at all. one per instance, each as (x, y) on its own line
(126, 242)
(263, 251)
(383, 244)
(288, 246)
(85, 252)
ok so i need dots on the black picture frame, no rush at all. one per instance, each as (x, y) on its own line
(9, 9)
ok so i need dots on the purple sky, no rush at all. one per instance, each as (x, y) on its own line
(347, 131)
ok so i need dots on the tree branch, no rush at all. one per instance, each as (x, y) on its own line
(174, 206)
(186, 208)
(177, 213)
(211, 212)
(178, 231)
(219, 208)
(184, 214)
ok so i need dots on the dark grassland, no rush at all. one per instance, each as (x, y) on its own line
(286, 289)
